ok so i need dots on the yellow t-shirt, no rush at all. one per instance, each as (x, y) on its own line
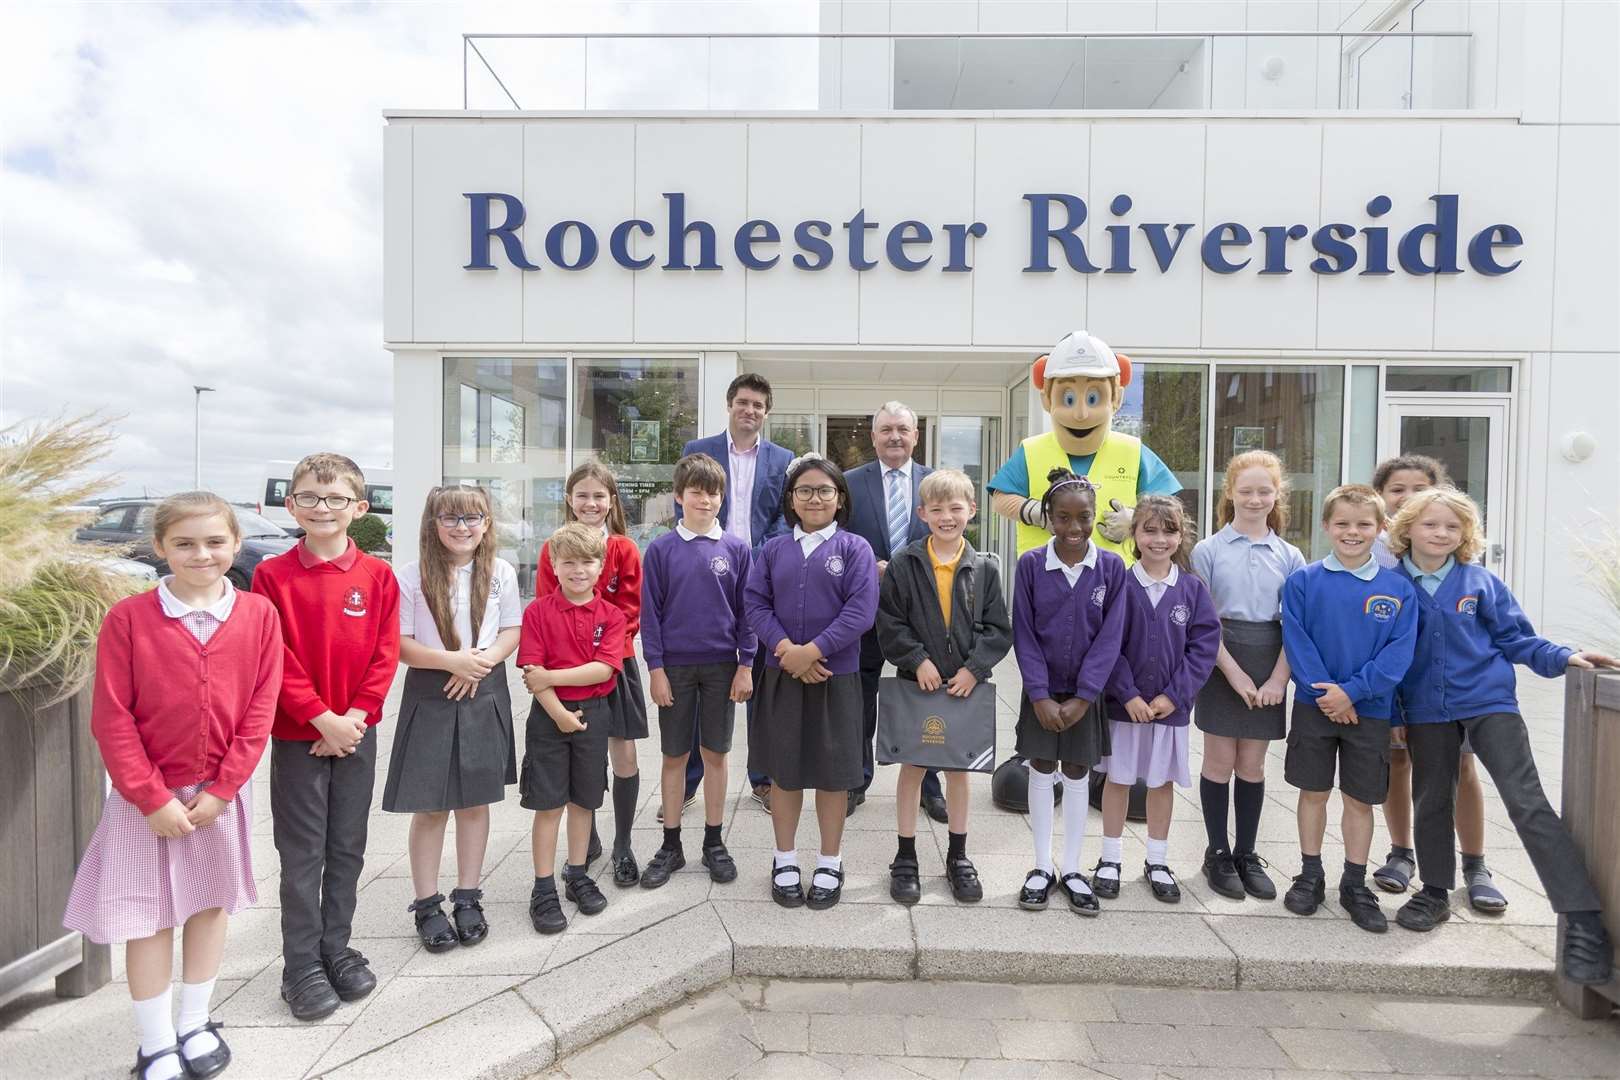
(944, 574)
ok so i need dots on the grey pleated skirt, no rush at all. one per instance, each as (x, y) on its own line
(807, 735)
(1086, 743)
(629, 718)
(450, 755)
(1220, 711)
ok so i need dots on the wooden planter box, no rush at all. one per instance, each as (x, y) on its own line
(53, 785)
(1592, 811)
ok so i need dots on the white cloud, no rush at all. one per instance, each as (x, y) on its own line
(191, 193)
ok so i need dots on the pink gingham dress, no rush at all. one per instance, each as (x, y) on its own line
(132, 882)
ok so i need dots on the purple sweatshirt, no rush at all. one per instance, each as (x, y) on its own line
(1169, 649)
(692, 602)
(829, 598)
(1067, 640)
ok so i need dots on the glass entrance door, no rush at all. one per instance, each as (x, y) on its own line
(1470, 439)
(973, 445)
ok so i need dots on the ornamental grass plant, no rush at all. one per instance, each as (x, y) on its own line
(54, 590)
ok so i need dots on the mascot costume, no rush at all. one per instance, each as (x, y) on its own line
(1082, 386)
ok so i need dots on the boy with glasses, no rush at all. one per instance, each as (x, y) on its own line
(340, 624)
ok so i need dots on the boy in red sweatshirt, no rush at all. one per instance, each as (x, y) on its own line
(340, 621)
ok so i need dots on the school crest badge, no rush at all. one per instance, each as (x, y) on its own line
(933, 731)
(1382, 607)
(720, 566)
(1180, 614)
(354, 603)
(613, 583)
(1468, 605)
(835, 565)
(596, 636)
(1099, 594)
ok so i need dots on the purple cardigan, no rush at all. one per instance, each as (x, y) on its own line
(692, 602)
(1167, 650)
(829, 598)
(1067, 640)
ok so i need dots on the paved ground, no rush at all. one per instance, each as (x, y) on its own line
(519, 1001)
(759, 1028)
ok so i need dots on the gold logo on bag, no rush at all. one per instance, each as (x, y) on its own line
(933, 731)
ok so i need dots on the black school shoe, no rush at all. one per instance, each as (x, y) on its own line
(350, 974)
(145, 1061)
(309, 993)
(211, 1063)
(722, 867)
(625, 871)
(1305, 895)
(964, 879)
(468, 915)
(1220, 870)
(1423, 912)
(1081, 903)
(1169, 894)
(905, 885)
(665, 861)
(1106, 888)
(789, 896)
(1361, 905)
(431, 926)
(1587, 957)
(546, 913)
(821, 898)
(934, 807)
(1251, 868)
(582, 890)
(1034, 898)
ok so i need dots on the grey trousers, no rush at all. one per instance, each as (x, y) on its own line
(1502, 745)
(320, 806)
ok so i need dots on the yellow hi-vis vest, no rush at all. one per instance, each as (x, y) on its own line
(1113, 470)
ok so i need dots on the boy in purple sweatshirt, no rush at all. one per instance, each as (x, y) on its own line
(700, 654)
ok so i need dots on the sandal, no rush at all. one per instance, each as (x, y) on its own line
(789, 896)
(1171, 893)
(468, 913)
(821, 898)
(1396, 874)
(1106, 887)
(211, 1063)
(143, 1062)
(431, 926)
(1483, 894)
(964, 879)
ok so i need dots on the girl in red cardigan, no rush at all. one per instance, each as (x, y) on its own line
(186, 684)
(593, 499)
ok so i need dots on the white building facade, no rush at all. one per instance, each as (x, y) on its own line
(1331, 245)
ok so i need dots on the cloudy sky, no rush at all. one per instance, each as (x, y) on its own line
(190, 194)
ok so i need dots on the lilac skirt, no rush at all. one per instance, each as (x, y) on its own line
(1154, 754)
(132, 882)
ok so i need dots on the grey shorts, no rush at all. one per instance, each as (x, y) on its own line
(560, 769)
(702, 699)
(1318, 748)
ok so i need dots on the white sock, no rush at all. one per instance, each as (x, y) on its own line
(1041, 802)
(1112, 852)
(827, 862)
(194, 999)
(1158, 855)
(786, 878)
(154, 1023)
(1075, 807)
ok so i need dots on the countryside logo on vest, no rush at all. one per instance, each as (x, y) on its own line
(1382, 607)
(720, 566)
(1468, 605)
(354, 603)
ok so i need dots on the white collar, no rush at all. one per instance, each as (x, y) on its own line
(174, 607)
(1055, 563)
(1366, 571)
(715, 531)
(825, 533)
(1169, 581)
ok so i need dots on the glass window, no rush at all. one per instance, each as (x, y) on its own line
(1461, 443)
(796, 431)
(1448, 378)
(111, 520)
(635, 416)
(849, 441)
(973, 445)
(1296, 412)
(252, 524)
(381, 498)
(504, 429)
(1164, 407)
(275, 492)
(1363, 423)
(144, 517)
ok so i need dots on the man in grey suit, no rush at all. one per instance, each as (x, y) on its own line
(883, 510)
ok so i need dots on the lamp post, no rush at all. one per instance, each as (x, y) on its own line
(196, 426)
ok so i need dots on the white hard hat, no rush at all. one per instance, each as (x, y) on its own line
(1082, 355)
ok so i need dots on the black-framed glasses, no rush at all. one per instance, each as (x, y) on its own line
(806, 493)
(308, 500)
(450, 521)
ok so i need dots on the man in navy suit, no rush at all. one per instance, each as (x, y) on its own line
(756, 469)
(883, 510)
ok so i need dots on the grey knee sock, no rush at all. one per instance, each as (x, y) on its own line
(626, 790)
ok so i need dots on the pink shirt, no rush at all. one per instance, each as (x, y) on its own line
(743, 463)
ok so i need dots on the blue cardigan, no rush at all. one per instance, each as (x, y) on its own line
(1470, 634)
(1358, 634)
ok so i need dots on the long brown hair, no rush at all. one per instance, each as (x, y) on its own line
(599, 472)
(1226, 510)
(1172, 515)
(438, 578)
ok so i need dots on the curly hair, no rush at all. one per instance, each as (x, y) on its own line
(1169, 511)
(1062, 478)
(1473, 539)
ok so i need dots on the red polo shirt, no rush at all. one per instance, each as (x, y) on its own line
(340, 623)
(559, 634)
(619, 583)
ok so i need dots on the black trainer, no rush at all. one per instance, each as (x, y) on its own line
(665, 861)
(1423, 912)
(964, 879)
(1221, 873)
(1106, 888)
(309, 993)
(1361, 905)
(582, 890)
(1306, 894)
(905, 884)
(546, 912)
(722, 867)
(1080, 902)
(350, 974)
(1587, 957)
(1257, 883)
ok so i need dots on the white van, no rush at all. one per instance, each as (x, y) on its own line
(277, 486)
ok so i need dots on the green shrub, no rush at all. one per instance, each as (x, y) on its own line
(370, 533)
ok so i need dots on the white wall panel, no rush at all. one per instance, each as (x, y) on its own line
(1196, 16)
(1586, 278)
(1541, 54)
(397, 248)
(1591, 82)
(1099, 16)
(1023, 17)
(934, 16)
(1583, 389)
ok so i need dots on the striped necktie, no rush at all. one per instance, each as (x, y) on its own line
(899, 510)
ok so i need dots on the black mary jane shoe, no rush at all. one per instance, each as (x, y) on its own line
(145, 1061)
(820, 897)
(905, 885)
(211, 1063)
(1081, 903)
(468, 915)
(625, 871)
(431, 925)
(582, 890)
(1169, 894)
(1034, 897)
(964, 879)
(1106, 888)
(721, 866)
(350, 974)
(789, 896)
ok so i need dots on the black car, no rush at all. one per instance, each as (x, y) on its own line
(130, 523)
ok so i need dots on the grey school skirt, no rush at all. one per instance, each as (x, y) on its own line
(629, 717)
(450, 755)
(1086, 743)
(1220, 711)
(807, 735)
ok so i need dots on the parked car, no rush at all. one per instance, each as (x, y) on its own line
(276, 486)
(129, 523)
